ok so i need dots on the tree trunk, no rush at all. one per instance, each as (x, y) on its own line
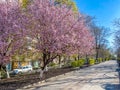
(0, 75)
(8, 75)
(46, 60)
(44, 65)
(75, 58)
(60, 62)
(42, 70)
(87, 60)
(97, 53)
(0, 72)
(41, 73)
(46, 68)
(78, 57)
(64, 60)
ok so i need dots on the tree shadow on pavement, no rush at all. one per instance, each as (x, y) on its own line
(111, 86)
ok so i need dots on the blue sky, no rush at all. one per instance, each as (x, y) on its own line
(105, 11)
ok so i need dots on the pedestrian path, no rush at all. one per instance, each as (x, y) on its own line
(98, 77)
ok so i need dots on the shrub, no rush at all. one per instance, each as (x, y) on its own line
(3, 74)
(99, 60)
(52, 64)
(107, 59)
(74, 64)
(91, 61)
(78, 63)
(81, 62)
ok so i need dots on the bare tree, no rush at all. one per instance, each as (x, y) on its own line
(100, 34)
(117, 37)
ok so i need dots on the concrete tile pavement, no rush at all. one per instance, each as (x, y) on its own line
(98, 77)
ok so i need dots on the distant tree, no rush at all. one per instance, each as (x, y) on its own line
(117, 37)
(99, 33)
(105, 53)
(69, 3)
(24, 3)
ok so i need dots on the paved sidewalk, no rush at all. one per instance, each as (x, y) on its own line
(98, 77)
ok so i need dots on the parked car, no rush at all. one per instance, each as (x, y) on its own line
(23, 69)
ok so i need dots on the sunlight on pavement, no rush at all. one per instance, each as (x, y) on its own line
(97, 77)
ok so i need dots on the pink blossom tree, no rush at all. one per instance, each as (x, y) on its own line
(12, 31)
(57, 30)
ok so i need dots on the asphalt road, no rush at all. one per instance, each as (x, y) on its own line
(98, 77)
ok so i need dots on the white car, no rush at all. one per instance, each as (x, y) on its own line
(23, 69)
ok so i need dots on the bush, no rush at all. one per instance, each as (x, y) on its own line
(107, 59)
(81, 62)
(91, 61)
(99, 60)
(3, 74)
(78, 63)
(52, 64)
(74, 64)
